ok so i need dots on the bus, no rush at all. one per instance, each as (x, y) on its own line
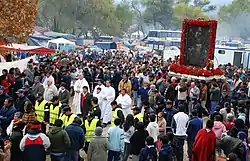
(167, 35)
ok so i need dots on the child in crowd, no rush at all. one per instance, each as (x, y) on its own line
(148, 153)
(166, 152)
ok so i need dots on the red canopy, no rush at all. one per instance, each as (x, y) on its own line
(28, 49)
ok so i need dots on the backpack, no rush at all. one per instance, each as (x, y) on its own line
(150, 157)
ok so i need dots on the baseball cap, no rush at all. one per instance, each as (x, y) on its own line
(20, 91)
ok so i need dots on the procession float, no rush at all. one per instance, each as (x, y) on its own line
(197, 47)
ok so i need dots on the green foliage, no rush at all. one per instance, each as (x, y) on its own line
(159, 12)
(183, 10)
(83, 16)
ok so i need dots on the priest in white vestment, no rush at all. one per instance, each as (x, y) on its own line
(125, 101)
(108, 97)
(78, 86)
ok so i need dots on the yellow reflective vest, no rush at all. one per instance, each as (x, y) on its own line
(54, 113)
(139, 116)
(39, 108)
(90, 129)
(115, 116)
(67, 120)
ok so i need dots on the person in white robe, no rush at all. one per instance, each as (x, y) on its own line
(108, 97)
(79, 84)
(125, 101)
(98, 92)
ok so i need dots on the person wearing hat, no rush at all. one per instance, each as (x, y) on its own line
(64, 94)
(3, 96)
(40, 106)
(116, 112)
(35, 143)
(98, 146)
(89, 127)
(37, 87)
(20, 101)
(67, 116)
(159, 101)
(169, 111)
(29, 94)
(54, 110)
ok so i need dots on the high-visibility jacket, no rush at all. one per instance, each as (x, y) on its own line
(139, 116)
(90, 129)
(67, 120)
(54, 112)
(39, 109)
(115, 116)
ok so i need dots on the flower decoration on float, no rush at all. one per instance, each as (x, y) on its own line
(195, 71)
(17, 19)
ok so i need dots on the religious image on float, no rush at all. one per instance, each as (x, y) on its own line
(197, 44)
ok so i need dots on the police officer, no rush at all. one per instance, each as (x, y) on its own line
(54, 110)
(89, 127)
(95, 108)
(117, 113)
(67, 116)
(138, 116)
(42, 111)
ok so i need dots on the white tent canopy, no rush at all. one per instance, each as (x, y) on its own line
(62, 41)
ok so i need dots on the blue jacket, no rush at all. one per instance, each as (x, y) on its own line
(135, 84)
(165, 153)
(193, 126)
(116, 139)
(76, 136)
(6, 115)
(145, 152)
(144, 94)
(168, 114)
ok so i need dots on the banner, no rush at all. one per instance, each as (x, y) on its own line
(21, 64)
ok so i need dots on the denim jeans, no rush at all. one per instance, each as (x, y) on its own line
(213, 105)
(113, 155)
(135, 97)
(57, 156)
(72, 155)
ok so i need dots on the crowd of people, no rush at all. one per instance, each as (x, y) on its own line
(60, 106)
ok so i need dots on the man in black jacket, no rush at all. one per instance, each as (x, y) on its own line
(29, 94)
(21, 100)
(95, 108)
(159, 101)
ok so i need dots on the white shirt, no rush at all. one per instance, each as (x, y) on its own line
(181, 95)
(153, 130)
(181, 120)
(125, 101)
